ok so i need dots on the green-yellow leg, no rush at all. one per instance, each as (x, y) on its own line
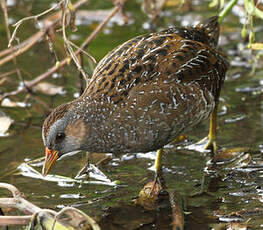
(158, 162)
(158, 171)
(212, 132)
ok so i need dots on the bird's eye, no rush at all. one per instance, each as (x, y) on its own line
(60, 137)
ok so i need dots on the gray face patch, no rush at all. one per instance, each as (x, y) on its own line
(57, 127)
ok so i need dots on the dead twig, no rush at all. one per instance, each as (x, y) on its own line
(102, 24)
(23, 47)
(18, 72)
(177, 211)
(47, 218)
(35, 17)
(83, 52)
(15, 192)
(17, 201)
(7, 74)
(28, 43)
(14, 220)
(67, 43)
(64, 61)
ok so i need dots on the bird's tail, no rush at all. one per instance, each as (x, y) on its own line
(211, 28)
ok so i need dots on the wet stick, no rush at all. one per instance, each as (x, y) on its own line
(56, 67)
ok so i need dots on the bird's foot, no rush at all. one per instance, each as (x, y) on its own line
(152, 195)
(204, 144)
(158, 185)
(211, 145)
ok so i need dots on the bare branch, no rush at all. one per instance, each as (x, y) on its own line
(15, 192)
(28, 42)
(100, 26)
(17, 201)
(66, 41)
(46, 217)
(84, 52)
(7, 73)
(64, 61)
(14, 220)
(35, 17)
(24, 46)
(18, 72)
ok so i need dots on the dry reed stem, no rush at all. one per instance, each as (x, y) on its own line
(18, 72)
(67, 43)
(3, 75)
(22, 48)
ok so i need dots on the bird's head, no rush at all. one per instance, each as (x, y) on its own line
(62, 132)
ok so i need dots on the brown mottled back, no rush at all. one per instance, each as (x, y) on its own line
(175, 55)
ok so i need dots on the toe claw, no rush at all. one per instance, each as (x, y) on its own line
(211, 145)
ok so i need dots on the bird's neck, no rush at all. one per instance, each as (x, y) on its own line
(95, 114)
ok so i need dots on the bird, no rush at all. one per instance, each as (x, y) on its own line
(142, 95)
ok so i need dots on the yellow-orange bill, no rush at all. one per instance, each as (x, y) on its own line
(51, 157)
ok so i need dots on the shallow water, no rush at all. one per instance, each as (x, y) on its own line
(232, 187)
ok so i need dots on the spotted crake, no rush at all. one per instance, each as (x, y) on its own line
(142, 95)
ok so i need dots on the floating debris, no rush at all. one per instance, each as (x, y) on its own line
(28, 171)
(8, 103)
(93, 172)
(230, 159)
(5, 123)
(249, 89)
(231, 226)
(199, 146)
(239, 216)
(148, 196)
(149, 155)
(49, 89)
(235, 119)
(72, 196)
